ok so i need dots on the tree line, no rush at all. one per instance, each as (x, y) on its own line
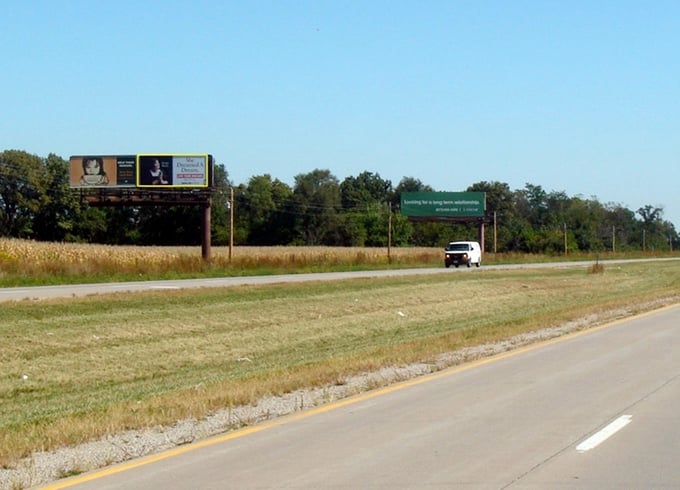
(36, 202)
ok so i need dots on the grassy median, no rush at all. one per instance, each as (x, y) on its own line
(80, 368)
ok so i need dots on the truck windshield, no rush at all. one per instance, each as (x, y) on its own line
(457, 247)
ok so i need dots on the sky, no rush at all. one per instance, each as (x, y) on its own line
(581, 97)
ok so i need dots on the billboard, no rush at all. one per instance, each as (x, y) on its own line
(92, 171)
(191, 170)
(443, 204)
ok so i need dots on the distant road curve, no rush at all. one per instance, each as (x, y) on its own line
(79, 290)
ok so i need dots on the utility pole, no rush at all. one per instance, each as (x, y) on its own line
(231, 224)
(389, 234)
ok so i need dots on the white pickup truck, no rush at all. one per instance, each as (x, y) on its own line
(467, 253)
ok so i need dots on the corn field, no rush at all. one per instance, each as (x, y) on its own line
(30, 258)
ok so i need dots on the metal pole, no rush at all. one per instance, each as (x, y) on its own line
(205, 242)
(481, 236)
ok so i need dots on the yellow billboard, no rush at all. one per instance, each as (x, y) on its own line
(173, 170)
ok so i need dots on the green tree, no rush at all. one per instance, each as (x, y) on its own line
(536, 200)
(402, 229)
(364, 191)
(407, 184)
(365, 210)
(629, 235)
(61, 211)
(499, 207)
(316, 200)
(23, 183)
(585, 218)
(353, 232)
(556, 203)
(266, 205)
(93, 224)
(220, 203)
(656, 231)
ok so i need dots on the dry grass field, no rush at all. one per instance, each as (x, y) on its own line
(25, 262)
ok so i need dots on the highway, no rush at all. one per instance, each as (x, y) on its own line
(79, 290)
(593, 410)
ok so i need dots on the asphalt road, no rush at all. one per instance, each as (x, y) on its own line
(74, 290)
(593, 410)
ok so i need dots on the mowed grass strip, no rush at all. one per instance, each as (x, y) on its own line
(78, 369)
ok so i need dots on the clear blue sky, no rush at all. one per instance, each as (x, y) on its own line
(574, 96)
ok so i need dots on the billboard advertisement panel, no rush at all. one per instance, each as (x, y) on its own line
(192, 170)
(443, 204)
(163, 170)
(92, 171)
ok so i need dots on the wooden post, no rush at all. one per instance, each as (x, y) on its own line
(389, 234)
(231, 224)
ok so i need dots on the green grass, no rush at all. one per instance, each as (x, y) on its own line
(103, 364)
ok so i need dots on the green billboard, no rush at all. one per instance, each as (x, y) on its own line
(443, 204)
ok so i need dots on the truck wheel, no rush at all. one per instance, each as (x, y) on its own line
(469, 262)
(479, 263)
(447, 264)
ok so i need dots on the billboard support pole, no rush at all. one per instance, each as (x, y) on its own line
(206, 231)
(495, 234)
(481, 236)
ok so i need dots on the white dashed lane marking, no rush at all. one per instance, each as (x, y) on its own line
(601, 436)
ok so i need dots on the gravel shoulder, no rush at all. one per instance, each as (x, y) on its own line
(45, 467)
